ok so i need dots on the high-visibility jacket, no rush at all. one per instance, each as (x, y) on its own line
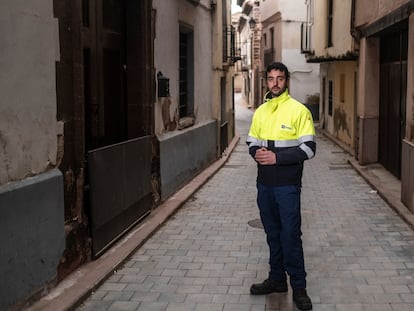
(284, 126)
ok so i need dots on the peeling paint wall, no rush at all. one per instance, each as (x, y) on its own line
(28, 126)
(341, 124)
(340, 31)
(188, 143)
(169, 15)
(32, 236)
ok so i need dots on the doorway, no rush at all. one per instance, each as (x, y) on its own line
(393, 89)
(117, 71)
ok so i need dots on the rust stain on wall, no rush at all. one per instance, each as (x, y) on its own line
(78, 243)
(169, 124)
(340, 121)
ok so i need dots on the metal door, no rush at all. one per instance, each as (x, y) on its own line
(120, 190)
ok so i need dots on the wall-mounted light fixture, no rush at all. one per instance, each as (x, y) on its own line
(213, 4)
(252, 23)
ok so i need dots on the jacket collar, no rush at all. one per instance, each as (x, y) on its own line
(275, 101)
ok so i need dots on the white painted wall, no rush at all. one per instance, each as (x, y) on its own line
(166, 50)
(28, 51)
(292, 9)
(304, 76)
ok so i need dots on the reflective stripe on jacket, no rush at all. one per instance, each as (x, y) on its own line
(285, 126)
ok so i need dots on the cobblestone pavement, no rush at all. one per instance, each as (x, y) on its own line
(359, 254)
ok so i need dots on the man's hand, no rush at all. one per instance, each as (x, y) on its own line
(265, 157)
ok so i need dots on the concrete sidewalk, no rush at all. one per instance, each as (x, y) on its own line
(203, 248)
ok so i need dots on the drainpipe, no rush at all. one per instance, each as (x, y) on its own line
(354, 32)
(356, 36)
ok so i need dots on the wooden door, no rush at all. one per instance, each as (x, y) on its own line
(117, 59)
(393, 89)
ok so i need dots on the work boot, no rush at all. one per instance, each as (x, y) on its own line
(302, 300)
(269, 286)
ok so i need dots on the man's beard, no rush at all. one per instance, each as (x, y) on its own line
(278, 93)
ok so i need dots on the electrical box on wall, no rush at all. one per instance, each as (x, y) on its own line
(163, 85)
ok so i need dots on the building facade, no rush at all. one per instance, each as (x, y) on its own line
(281, 22)
(366, 54)
(327, 41)
(200, 92)
(32, 225)
(385, 89)
(248, 28)
(109, 108)
(270, 31)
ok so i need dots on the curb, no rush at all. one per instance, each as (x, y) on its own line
(75, 288)
(392, 201)
(389, 198)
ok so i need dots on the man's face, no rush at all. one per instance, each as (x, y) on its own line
(276, 82)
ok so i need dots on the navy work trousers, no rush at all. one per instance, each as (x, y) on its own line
(281, 217)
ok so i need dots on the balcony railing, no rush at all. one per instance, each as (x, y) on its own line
(231, 53)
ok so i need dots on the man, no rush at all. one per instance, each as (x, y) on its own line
(281, 138)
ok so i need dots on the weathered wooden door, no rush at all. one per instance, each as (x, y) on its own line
(393, 89)
(106, 108)
(117, 116)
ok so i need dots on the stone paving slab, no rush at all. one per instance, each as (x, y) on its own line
(359, 253)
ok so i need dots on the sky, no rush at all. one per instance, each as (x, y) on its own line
(234, 7)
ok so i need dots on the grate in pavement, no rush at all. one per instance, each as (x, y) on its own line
(255, 223)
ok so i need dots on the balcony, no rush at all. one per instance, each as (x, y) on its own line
(231, 53)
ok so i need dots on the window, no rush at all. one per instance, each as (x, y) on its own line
(226, 33)
(306, 28)
(330, 97)
(272, 38)
(309, 11)
(330, 20)
(323, 94)
(186, 72)
(269, 54)
(342, 88)
(230, 52)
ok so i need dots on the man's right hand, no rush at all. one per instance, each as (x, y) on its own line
(265, 157)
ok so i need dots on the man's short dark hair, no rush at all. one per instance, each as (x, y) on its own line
(278, 66)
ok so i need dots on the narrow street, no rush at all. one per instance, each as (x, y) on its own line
(359, 253)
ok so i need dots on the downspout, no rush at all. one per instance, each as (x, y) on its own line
(354, 32)
(356, 37)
